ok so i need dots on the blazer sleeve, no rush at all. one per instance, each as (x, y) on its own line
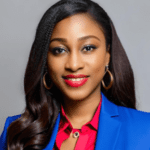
(3, 138)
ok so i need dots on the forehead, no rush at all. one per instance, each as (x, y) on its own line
(77, 25)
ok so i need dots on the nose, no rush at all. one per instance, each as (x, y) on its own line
(74, 61)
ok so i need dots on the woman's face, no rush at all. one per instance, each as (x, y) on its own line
(77, 47)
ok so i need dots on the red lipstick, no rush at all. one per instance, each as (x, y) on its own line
(73, 81)
(75, 76)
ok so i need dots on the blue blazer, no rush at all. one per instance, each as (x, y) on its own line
(120, 128)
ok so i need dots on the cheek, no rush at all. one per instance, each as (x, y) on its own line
(54, 67)
(98, 62)
(97, 66)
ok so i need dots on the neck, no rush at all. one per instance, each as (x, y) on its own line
(80, 112)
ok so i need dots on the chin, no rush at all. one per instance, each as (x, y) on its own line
(76, 96)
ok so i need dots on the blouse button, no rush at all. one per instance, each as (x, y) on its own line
(76, 135)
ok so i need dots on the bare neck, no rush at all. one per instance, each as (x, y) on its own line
(81, 111)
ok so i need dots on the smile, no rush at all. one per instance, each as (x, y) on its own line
(75, 79)
(75, 82)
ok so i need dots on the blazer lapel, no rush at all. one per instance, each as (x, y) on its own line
(54, 134)
(109, 126)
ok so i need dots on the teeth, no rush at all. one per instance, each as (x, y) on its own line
(75, 79)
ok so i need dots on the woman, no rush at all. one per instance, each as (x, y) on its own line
(79, 86)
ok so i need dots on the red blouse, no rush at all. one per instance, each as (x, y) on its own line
(87, 134)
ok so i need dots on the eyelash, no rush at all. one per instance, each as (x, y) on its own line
(56, 49)
(60, 49)
(90, 46)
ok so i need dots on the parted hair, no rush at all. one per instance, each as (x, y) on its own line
(32, 131)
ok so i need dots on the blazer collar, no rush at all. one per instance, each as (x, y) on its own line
(108, 108)
(108, 129)
(109, 126)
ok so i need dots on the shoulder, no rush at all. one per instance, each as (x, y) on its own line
(10, 119)
(134, 117)
(133, 113)
(3, 137)
(122, 112)
(127, 116)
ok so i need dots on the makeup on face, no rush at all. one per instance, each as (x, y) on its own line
(75, 80)
(77, 57)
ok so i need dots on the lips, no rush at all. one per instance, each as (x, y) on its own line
(75, 80)
(75, 76)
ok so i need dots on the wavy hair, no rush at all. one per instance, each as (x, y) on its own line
(32, 131)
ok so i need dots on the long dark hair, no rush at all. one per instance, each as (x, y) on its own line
(34, 128)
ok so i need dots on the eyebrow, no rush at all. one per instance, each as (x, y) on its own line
(80, 39)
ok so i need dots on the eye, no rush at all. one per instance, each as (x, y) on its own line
(57, 50)
(89, 48)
